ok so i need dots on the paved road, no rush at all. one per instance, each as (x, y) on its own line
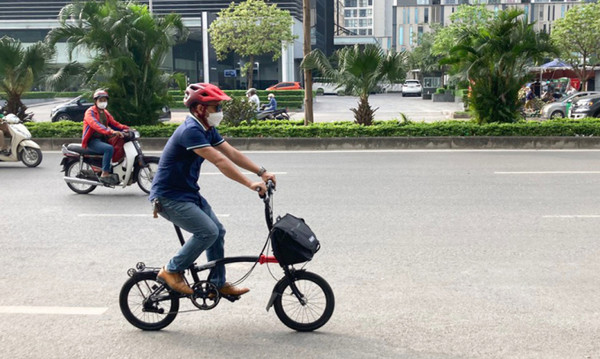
(333, 108)
(431, 254)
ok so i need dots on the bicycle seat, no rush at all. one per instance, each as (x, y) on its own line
(76, 147)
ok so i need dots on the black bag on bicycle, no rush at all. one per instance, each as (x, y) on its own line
(293, 241)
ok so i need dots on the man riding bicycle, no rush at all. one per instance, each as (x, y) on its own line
(176, 194)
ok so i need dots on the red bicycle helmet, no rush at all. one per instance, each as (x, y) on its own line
(100, 93)
(203, 93)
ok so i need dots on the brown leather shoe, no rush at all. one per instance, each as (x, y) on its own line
(174, 281)
(228, 289)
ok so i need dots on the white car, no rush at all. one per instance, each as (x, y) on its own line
(411, 87)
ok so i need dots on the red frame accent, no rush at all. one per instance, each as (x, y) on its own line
(267, 259)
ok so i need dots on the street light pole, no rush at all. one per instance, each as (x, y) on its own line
(308, 104)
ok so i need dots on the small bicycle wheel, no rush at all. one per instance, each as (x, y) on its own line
(145, 308)
(318, 306)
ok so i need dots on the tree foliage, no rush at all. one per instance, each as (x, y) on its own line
(360, 70)
(19, 68)
(251, 28)
(465, 18)
(422, 57)
(128, 45)
(576, 36)
(494, 59)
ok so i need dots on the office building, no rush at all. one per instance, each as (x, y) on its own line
(30, 21)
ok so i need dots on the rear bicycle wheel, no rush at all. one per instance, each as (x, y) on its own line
(317, 309)
(143, 309)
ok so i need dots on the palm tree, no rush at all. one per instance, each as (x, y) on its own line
(494, 59)
(19, 69)
(359, 71)
(128, 45)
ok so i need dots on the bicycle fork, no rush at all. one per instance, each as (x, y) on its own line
(280, 286)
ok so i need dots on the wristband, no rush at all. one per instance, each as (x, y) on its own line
(261, 171)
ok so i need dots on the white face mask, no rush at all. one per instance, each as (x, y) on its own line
(214, 119)
(102, 105)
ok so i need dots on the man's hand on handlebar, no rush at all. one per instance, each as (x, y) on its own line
(269, 176)
(259, 187)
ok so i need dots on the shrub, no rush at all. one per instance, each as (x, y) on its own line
(238, 111)
(277, 128)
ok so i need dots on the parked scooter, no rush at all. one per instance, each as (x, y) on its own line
(22, 148)
(83, 167)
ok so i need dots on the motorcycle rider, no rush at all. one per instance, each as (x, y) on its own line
(253, 98)
(98, 125)
(4, 131)
(176, 194)
(272, 105)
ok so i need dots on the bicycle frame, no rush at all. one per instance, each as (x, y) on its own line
(262, 259)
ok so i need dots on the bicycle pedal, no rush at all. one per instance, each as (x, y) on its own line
(231, 298)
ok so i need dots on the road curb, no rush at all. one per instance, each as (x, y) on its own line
(374, 143)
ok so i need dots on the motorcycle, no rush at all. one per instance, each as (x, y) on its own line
(280, 114)
(83, 167)
(22, 148)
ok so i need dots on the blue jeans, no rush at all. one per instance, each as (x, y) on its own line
(208, 234)
(107, 150)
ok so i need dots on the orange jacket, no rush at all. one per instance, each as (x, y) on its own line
(92, 124)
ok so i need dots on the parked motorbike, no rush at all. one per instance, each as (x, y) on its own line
(83, 167)
(21, 114)
(22, 148)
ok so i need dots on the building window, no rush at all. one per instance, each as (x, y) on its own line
(350, 3)
(416, 15)
(419, 34)
(426, 16)
(410, 35)
(401, 36)
(404, 15)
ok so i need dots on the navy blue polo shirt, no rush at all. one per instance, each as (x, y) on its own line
(179, 166)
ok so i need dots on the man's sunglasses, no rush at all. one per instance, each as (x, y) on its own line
(218, 107)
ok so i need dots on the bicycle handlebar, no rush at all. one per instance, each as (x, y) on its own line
(267, 200)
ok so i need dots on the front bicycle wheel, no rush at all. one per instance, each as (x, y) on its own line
(318, 299)
(145, 305)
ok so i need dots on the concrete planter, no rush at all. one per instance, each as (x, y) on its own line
(443, 97)
(374, 143)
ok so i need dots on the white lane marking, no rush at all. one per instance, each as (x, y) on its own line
(573, 216)
(125, 215)
(244, 172)
(53, 310)
(548, 173)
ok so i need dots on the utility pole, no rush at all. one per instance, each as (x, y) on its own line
(308, 100)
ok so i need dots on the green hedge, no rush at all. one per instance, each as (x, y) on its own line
(276, 128)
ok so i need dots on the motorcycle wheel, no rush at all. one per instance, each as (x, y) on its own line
(73, 169)
(146, 175)
(31, 157)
